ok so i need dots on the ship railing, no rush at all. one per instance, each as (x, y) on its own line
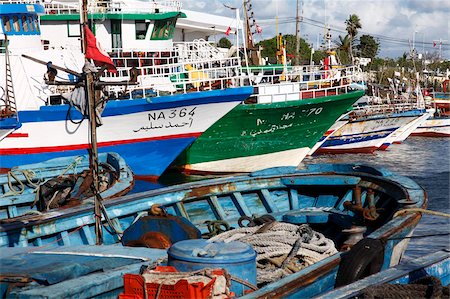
(285, 84)
(180, 78)
(198, 49)
(20, 1)
(108, 6)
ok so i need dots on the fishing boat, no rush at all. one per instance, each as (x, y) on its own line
(64, 181)
(437, 125)
(367, 130)
(340, 122)
(288, 112)
(414, 278)
(72, 271)
(344, 203)
(277, 126)
(149, 133)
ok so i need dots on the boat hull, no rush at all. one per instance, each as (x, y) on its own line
(148, 135)
(316, 195)
(434, 127)
(259, 132)
(406, 129)
(363, 136)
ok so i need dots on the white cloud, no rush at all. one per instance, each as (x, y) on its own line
(389, 19)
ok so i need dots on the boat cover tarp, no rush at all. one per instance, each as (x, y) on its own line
(52, 267)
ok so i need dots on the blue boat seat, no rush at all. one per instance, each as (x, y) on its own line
(313, 215)
(329, 180)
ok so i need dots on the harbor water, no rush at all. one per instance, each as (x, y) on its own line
(426, 160)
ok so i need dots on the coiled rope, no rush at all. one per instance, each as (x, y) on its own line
(282, 248)
(426, 287)
(13, 178)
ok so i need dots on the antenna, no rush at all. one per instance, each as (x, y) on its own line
(440, 41)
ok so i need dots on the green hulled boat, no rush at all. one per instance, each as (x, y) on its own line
(269, 133)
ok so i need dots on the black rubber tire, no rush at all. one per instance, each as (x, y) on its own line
(365, 258)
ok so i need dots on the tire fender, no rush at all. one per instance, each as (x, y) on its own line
(365, 258)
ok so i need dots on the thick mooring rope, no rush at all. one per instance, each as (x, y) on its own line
(423, 211)
(282, 248)
(426, 287)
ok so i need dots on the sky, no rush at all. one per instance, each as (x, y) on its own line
(397, 24)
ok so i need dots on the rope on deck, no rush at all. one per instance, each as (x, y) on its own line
(282, 248)
(420, 210)
(426, 287)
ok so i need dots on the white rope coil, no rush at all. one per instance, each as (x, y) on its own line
(273, 244)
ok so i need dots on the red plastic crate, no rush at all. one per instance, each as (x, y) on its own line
(134, 287)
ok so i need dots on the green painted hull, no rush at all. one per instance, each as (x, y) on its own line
(258, 129)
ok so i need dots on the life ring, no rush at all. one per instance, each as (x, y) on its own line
(365, 258)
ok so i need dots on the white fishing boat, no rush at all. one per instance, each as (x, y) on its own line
(437, 125)
(38, 123)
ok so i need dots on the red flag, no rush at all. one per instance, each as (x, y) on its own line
(228, 31)
(434, 45)
(258, 29)
(94, 51)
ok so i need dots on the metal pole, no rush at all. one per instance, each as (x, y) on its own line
(93, 151)
(297, 37)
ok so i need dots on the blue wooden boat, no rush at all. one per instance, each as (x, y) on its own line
(415, 271)
(342, 202)
(24, 187)
(70, 272)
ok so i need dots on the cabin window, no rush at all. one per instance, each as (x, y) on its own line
(141, 29)
(164, 29)
(73, 29)
(30, 21)
(36, 23)
(116, 34)
(6, 24)
(16, 24)
(24, 23)
(3, 45)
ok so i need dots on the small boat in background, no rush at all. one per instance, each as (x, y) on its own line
(61, 182)
(438, 125)
(338, 206)
(367, 129)
(421, 276)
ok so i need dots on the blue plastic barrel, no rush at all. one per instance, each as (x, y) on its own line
(238, 258)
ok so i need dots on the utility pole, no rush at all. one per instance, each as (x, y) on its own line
(297, 36)
(440, 41)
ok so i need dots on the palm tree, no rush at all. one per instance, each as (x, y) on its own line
(353, 24)
(343, 46)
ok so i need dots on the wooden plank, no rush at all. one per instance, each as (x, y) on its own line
(180, 209)
(218, 209)
(12, 211)
(268, 200)
(65, 238)
(329, 180)
(237, 196)
(88, 235)
(293, 199)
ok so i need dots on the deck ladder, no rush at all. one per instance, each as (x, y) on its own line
(10, 99)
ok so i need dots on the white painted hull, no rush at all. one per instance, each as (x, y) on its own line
(409, 128)
(363, 136)
(118, 128)
(291, 157)
(434, 127)
(336, 126)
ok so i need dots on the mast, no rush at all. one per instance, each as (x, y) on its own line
(93, 150)
(297, 36)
